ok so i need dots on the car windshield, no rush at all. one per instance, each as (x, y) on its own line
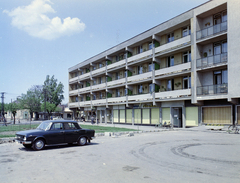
(44, 125)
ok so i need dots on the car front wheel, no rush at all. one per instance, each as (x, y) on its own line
(82, 141)
(38, 144)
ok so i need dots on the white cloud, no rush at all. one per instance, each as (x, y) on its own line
(33, 20)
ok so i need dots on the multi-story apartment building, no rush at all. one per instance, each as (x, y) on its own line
(185, 71)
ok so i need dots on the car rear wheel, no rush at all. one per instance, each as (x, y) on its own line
(82, 141)
(38, 144)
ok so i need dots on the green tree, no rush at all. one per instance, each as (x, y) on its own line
(32, 100)
(52, 93)
(13, 107)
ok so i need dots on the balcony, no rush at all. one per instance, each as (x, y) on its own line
(212, 60)
(116, 82)
(212, 30)
(116, 99)
(173, 94)
(140, 97)
(212, 89)
(116, 65)
(73, 92)
(140, 56)
(177, 44)
(139, 77)
(99, 102)
(98, 71)
(173, 69)
(99, 86)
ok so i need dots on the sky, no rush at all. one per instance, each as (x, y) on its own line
(47, 37)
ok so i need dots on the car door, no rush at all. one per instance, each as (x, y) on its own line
(55, 134)
(72, 133)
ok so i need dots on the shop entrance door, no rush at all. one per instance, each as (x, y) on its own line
(177, 117)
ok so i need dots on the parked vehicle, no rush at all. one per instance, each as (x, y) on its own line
(54, 132)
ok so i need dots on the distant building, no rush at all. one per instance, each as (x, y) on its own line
(184, 71)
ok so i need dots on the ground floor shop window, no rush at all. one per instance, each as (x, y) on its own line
(238, 115)
(166, 115)
(137, 116)
(216, 115)
(155, 116)
(191, 116)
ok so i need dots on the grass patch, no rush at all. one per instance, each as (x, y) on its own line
(6, 136)
(102, 129)
(17, 127)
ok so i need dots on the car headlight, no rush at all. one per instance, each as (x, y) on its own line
(25, 138)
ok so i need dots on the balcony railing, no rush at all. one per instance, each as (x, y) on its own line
(212, 30)
(212, 60)
(212, 89)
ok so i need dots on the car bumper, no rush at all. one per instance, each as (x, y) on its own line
(23, 142)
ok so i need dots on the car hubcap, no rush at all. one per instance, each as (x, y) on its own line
(39, 144)
(83, 141)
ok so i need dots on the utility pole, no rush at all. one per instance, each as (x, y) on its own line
(2, 111)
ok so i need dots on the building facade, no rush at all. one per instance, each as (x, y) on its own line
(184, 71)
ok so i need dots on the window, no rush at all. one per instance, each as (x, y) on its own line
(186, 82)
(220, 77)
(140, 69)
(186, 31)
(76, 99)
(100, 80)
(170, 37)
(139, 49)
(100, 65)
(57, 126)
(170, 61)
(140, 89)
(117, 93)
(69, 126)
(100, 95)
(94, 82)
(220, 47)
(170, 84)
(150, 67)
(187, 57)
(220, 17)
(117, 76)
(94, 97)
(151, 88)
(150, 45)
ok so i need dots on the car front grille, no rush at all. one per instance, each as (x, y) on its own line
(19, 137)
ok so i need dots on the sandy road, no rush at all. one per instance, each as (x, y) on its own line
(170, 156)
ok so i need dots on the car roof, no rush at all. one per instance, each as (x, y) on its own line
(62, 121)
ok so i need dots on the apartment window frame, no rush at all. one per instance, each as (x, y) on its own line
(140, 69)
(186, 31)
(139, 49)
(170, 61)
(117, 92)
(170, 37)
(140, 89)
(117, 76)
(187, 55)
(150, 45)
(186, 82)
(220, 47)
(223, 77)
